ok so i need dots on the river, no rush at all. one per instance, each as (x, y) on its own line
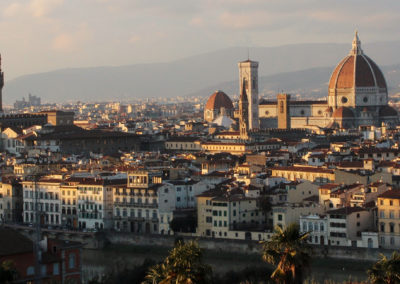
(97, 262)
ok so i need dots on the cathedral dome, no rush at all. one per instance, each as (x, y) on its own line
(343, 112)
(357, 71)
(387, 111)
(219, 100)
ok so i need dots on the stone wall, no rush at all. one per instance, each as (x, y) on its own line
(244, 247)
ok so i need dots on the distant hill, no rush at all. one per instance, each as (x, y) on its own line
(304, 66)
(310, 83)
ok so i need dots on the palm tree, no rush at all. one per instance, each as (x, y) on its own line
(182, 265)
(7, 272)
(289, 251)
(386, 270)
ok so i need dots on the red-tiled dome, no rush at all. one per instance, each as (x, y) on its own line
(343, 112)
(218, 100)
(387, 111)
(357, 70)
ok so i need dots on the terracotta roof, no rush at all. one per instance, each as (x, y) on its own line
(394, 194)
(13, 242)
(346, 210)
(387, 111)
(357, 70)
(218, 100)
(343, 112)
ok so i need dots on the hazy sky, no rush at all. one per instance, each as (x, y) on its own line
(43, 35)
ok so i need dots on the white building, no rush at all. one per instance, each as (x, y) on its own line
(43, 195)
(317, 227)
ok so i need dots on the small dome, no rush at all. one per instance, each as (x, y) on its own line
(219, 100)
(387, 111)
(343, 112)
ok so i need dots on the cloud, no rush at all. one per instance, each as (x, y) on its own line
(12, 10)
(32, 8)
(134, 39)
(197, 22)
(245, 20)
(41, 8)
(71, 41)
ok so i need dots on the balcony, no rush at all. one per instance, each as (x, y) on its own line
(136, 205)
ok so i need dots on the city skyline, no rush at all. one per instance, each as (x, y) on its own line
(43, 35)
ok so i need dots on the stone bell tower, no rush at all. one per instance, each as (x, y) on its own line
(248, 81)
(1, 87)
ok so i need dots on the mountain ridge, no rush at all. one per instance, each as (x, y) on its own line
(186, 76)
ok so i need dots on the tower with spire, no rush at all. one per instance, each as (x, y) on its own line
(243, 113)
(248, 83)
(1, 87)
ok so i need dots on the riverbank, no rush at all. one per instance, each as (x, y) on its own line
(113, 256)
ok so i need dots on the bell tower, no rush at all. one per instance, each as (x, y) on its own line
(248, 81)
(243, 113)
(1, 87)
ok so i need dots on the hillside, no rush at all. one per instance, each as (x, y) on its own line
(300, 63)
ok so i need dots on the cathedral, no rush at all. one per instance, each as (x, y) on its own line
(357, 95)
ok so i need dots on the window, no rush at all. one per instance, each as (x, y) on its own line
(30, 271)
(321, 227)
(305, 226)
(71, 261)
(280, 217)
(43, 270)
(56, 269)
(382, 227)
(391, 202)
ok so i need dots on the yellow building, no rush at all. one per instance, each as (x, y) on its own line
(69, 204)
(389, 219)
(310, 173)
(229, 216)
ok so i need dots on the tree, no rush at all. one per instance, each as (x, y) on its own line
(7, 272)
(182, 265)
(386, 270)
(289, 251)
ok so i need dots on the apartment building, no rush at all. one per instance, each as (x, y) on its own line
(10, 201)
(69, 203)
(95, 202)
(345, 225)
(136, 204)
(389, 219)
(228, 215)
(42, 197)
(313, 174)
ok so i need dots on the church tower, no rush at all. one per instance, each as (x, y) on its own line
(248, 82)
(243, 114)
(1, 87)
